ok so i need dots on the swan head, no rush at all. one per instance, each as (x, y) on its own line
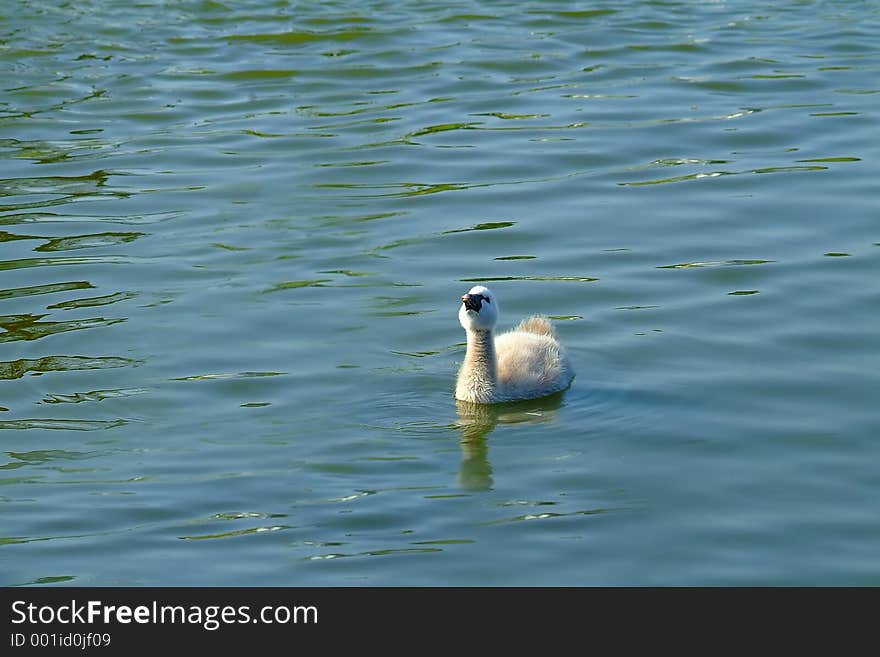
(479, 309)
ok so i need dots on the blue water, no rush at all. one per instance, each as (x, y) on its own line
(234, 237)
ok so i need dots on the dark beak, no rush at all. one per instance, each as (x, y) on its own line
(472, 302)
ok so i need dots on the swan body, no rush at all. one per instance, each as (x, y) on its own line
(525, 363)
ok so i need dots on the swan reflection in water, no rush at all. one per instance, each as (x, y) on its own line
(477, 421)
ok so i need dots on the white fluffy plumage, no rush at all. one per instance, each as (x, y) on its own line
(525, 363)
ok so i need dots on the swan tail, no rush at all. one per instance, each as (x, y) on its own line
(537, 325)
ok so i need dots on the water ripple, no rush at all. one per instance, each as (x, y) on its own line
(28, 327)
(94, 395)
(717, 174)
(24, 263)
(16, 369)
(65, 425)
(89, 302)
(716, 263)
(489, 279)
(49, 288)
(66, 188)
(230, 375)
(236, 533)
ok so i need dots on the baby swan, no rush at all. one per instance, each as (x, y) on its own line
(525, 363)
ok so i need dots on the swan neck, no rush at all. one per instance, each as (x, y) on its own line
(480, 362)
(481, 349)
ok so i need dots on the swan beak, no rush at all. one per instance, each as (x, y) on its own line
(472, 302)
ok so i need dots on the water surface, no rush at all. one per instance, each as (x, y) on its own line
(232, 241)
